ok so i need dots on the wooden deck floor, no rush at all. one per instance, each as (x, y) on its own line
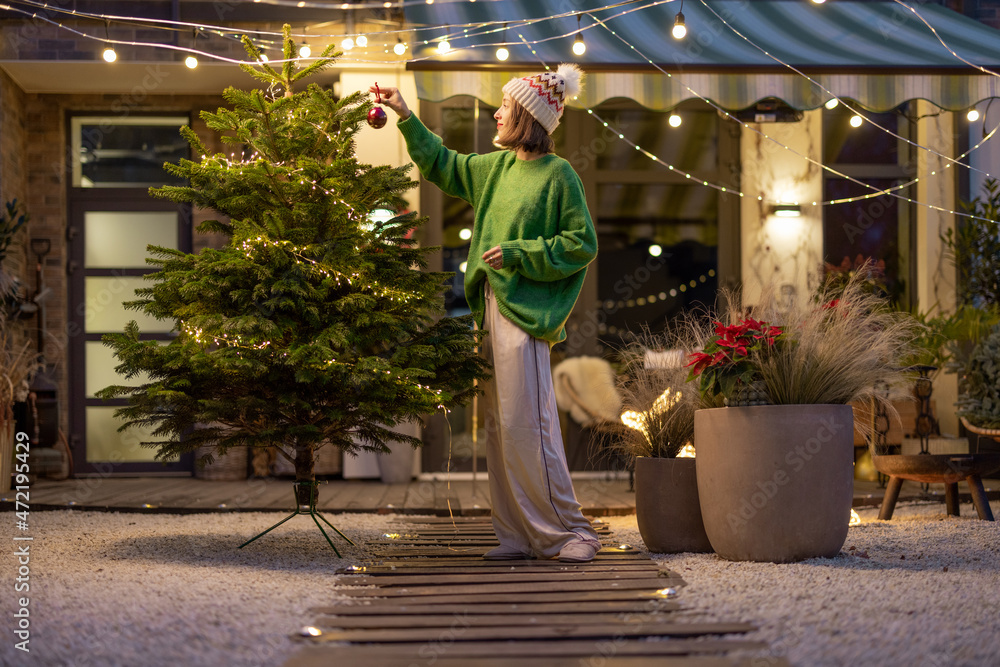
(599, 497)
(428, 597)
(182, 495)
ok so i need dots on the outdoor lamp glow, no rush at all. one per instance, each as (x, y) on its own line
(110, 55)
(679, 30)
(786, 210)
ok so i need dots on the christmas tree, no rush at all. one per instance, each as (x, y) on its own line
(314, 325)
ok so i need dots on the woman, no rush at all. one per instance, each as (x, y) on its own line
(531, 243)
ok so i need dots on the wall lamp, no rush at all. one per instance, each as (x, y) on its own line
(786, 210)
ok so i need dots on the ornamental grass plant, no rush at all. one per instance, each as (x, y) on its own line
(841, 347)
(658, 402)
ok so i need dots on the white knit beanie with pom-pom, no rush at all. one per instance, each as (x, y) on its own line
(544, 95)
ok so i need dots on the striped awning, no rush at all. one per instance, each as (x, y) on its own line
(736, 53)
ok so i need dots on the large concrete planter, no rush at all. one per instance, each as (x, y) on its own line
(666, 506)
(775, 481)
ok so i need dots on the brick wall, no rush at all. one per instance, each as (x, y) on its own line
(39, 40)
(12, 180)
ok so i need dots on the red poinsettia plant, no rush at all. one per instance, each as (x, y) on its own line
(731, 358)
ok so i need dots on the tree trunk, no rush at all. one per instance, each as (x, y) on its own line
(305, 462)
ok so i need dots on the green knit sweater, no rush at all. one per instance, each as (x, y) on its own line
(534, 210)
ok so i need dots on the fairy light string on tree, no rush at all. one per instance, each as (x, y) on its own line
(312, 325)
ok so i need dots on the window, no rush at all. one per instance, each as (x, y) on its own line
(115, 152)
(877, 228)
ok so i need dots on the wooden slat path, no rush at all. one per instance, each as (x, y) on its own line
(428, 598)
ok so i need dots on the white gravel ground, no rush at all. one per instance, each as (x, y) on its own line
(151, 590)
(921, 590)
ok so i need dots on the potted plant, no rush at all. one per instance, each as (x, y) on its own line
(776, 480)
(974, 248)
(654, 433)
(979, 405)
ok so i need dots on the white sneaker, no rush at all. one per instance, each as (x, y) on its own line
(504, 552)
(579, 552)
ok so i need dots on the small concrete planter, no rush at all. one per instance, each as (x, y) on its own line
(666, 506)
(775, 481)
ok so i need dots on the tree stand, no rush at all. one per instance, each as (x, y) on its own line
(306, 494)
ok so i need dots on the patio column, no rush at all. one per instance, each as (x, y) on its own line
(786, 250)
(935, 273)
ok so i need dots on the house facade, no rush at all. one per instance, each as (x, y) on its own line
(688, 151)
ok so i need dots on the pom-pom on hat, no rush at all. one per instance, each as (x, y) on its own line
(544, 95)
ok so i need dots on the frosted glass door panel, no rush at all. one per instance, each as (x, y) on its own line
(103, 297)
(118, 239)
(101, 362)
(105, 443)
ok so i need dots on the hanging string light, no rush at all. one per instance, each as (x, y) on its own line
(679, 30)
(579, 48)
(502, 52)
(234, 32)
(109, 51)
(817, 84)
(875, 191)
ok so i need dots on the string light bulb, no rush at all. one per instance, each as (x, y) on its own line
(348, 43)
(191, 62)
(832, 103)
(579, 48)
(674, 120)
(973, 115)
(361, 41)
(502, 52)
(109, 51)
(856, 121)
(304, 51)
(444, 46)
(679, 30)
(400, 48)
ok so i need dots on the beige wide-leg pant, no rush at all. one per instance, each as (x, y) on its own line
(534, 506)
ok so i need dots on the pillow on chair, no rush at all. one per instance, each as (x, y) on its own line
(585, 387)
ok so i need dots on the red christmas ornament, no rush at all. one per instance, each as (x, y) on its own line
(376, 115)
